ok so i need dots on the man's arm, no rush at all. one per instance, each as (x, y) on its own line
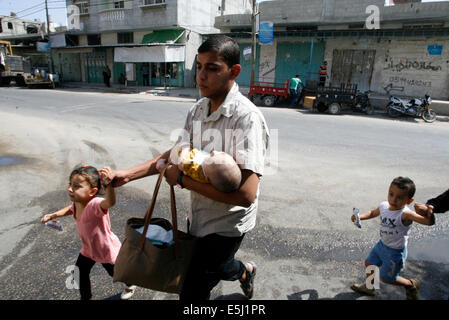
(441, 203)
(243, 197)
(148, 168)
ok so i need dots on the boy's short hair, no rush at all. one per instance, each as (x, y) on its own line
(405, 183)
(225, 46)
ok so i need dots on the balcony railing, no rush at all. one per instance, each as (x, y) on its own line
(113, 18)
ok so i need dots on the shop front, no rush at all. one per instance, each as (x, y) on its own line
(164, 64)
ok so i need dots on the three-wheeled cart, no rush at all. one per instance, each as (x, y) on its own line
(335, 99)
(268, 93)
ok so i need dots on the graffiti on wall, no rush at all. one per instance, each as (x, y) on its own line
(409, 64)
(267, 64)
(418, 73)
(410, 82)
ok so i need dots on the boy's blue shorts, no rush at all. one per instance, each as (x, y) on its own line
(389, 260)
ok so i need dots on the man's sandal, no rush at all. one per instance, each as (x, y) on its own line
(248, 284)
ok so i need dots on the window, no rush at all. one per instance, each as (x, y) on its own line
(162, 70)
(83, 6)
(71, 40)
(93, 39)
(125, 37)
(119, 4)
(149, 2)
(32, 28)
(10, 26)
(1, 27)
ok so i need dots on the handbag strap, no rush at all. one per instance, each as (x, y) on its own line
(150, 210)
(174, 219)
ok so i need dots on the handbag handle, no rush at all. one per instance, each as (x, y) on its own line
(150, 210)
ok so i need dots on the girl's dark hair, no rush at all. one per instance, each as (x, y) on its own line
(405, 183)
(90, 173)
(225, 46)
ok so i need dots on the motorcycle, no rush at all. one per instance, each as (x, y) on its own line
(362, 103)
(414, 107)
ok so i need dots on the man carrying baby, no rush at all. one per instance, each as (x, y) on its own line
(223, 121)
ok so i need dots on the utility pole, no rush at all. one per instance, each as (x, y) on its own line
(51, 66)
(254, 41)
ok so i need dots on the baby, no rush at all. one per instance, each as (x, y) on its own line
(217, 168)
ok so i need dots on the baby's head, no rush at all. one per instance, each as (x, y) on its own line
(222, 172)
(401, 192)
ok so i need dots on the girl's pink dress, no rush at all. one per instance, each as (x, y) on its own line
(99, 243)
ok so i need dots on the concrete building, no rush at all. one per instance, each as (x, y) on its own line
(134, 36)
(25, 35)
(12, 27)
(402, 48)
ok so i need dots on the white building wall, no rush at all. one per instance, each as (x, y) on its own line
(109, 38)
(18, 26)
(404, 65)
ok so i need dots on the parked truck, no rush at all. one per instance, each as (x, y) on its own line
(17, 69)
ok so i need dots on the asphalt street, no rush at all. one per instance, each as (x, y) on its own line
(320, 166)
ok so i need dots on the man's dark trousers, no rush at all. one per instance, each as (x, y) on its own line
(212, 261)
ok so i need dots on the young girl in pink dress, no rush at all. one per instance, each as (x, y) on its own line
(99, 243)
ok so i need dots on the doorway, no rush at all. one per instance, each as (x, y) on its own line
(353, 66)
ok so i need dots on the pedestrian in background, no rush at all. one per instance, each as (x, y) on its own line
(107, 76)
(145, 74)
(295, 88)
(323, 74)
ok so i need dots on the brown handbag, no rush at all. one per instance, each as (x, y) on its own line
(146, 265)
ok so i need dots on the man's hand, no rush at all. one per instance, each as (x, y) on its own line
(160, 164)
(117, 177)
(171, 174)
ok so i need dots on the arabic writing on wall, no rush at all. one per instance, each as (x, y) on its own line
(410, 82)
(408, 64)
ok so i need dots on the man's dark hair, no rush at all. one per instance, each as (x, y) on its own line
(225, 46)
(405, 183)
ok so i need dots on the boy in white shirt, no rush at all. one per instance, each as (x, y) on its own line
(390, 253)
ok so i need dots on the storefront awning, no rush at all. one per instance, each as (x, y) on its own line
(162, 53)
(162, 36)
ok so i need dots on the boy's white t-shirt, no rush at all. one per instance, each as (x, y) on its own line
(392, 232)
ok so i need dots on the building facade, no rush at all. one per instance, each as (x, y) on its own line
(25, 37)
(400, 48)
(134, 37)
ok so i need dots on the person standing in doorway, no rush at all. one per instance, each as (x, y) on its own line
(145, 74)
(323, 74)
(107, 76)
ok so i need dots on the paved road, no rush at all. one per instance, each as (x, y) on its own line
(304, 242)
